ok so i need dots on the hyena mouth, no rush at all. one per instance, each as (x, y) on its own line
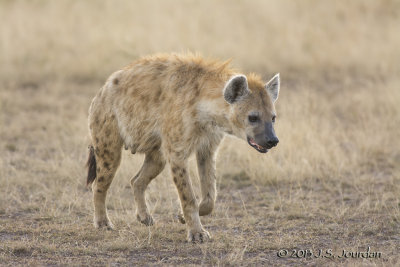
(256, 146)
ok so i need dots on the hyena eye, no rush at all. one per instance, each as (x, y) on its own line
(253, 118)
(273, 118)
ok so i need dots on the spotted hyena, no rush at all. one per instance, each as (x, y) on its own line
(169, 107)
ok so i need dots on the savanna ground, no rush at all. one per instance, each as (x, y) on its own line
(333, 182)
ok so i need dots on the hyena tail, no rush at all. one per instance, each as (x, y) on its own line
(91, 165)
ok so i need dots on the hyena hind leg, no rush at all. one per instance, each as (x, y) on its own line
(153, 164)
(107, 160)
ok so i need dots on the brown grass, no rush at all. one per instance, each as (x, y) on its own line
(333, 182)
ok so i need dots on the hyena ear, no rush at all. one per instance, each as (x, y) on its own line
(235, 88)
(273, 86)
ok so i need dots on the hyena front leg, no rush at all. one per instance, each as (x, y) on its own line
(190, 207)
(206, 168)
(153, 164)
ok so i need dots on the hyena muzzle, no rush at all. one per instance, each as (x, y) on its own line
(169, 107)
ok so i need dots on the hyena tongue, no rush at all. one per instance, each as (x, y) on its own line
(255, 144)
(252, 142)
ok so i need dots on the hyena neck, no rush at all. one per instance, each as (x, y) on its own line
(215, 111)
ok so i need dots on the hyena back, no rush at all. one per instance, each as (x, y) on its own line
(168, 107)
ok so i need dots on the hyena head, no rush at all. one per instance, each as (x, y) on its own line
(252, 111)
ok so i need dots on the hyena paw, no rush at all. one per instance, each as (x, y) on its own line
(206, 207)
(147, 219)
(196, 236)
(181, 218)
(105, 223)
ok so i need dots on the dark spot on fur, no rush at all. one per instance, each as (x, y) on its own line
(174, 169)
(157, 147)
(106, 165)
(192, 101)
(160, 67)
(159, 91)
(183, 197)
(175, 180)
(99, 191)
(115, 81)
(97, 140)
(196, 90)
(106, 152)
(101, 179)
(202, 161)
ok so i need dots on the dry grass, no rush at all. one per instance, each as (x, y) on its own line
(332, 183)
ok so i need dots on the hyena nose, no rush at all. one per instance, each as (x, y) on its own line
(273, 142)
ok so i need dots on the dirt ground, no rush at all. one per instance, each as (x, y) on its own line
(331, 186)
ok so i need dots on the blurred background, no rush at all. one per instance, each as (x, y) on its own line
(339, 64)
(58, 39)
(338, 110)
